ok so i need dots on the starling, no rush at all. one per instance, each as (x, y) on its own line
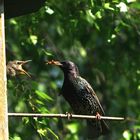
(82, 98)
(14, 68)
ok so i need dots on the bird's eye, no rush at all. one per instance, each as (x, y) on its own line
(18, 63)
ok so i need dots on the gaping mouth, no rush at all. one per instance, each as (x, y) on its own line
(21, 70)
(53, 62)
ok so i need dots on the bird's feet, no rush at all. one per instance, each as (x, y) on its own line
(98, 116)
(98, 121)
(69, 115)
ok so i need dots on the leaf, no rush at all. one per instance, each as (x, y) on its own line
(127, 135)
(47, 53)
(107, 6)
(73, 127)
(43, 95)
(33, 38)
(43, 110)
(53, 133)
(49, 10)
(25, 120)
(42, 131)
(39, 102)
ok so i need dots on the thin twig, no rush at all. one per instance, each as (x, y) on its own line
(67, 115)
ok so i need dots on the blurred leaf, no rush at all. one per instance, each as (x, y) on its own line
(107, 6)
(135, 5)
(15, 138)
(39, 102)
(33, 39)
(127, 135)
(73, 127)
(43, 95)
(43, 109)
(53, 133)
(49, 10)
(90, 17)
(47, 53)
(25, 120)
(122, 6)
(42, 132)
(21, 106)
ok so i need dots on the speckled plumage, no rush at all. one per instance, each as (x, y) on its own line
(82, 98)
(77, 90)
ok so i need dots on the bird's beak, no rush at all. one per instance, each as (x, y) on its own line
(53, 62)
(24, 62)
(22, 71)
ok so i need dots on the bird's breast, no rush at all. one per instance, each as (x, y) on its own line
(79, 98)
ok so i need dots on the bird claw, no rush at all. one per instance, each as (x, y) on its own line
(98, 116)
(69, 115)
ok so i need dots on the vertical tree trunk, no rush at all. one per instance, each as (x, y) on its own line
(3, 91)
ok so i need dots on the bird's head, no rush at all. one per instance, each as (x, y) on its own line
(17, 67)
(66, 66)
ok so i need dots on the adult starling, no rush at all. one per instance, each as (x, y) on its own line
(81, 97)
(14, 68)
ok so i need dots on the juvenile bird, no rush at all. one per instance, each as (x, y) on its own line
(14, 68)
(81, 97)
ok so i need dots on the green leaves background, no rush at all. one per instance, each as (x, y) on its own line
(102, 38)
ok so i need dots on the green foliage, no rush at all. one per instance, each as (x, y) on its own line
(102, 38)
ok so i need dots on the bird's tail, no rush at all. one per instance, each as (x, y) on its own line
(96, 128)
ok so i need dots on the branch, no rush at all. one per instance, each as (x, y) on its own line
(67, 115)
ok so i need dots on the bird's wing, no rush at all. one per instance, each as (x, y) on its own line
(91, 91)
(10, 71)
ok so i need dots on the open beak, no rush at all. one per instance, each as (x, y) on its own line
(53, 62)
(22, 71)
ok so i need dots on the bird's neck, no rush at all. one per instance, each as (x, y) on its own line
(70, 74)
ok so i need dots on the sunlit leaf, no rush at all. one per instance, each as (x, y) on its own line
(34, 39)
(122, 6)
(98, 14)
(130, 1)
(39, 102)
(127, 135)
(43, 109)
(42, 131)
(83, 52)
(49, 10)
(107, 6)
(90, 17)
(43, 95)
(13, 21)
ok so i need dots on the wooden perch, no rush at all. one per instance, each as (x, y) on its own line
(3, 82)
(67, 115)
